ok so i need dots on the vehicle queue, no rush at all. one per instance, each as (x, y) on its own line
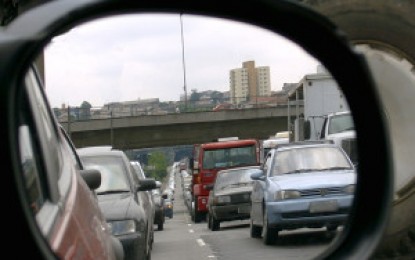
(299, 185)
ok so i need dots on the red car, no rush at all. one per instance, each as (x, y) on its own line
(58, 191)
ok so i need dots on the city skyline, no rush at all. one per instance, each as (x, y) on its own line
(142, 58)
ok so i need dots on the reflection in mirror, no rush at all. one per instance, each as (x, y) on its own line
(155, 85)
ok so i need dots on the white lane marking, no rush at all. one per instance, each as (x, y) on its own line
(211, 256)
(189, 225)
(200, 242)
(191, 231)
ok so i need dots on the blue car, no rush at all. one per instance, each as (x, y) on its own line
(168, 208)
(302, 185)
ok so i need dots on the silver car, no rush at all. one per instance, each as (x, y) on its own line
(230, 196)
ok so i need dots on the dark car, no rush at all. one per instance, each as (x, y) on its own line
(230, 196)
(145, 199)
(118, 197)
(367, 46)
(302, 185)
(158, 199)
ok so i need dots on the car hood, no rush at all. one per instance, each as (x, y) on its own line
(116, 206)
(234, 190)
(312, 180)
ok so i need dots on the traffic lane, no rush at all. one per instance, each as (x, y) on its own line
(178, 240)
(233, 242)
(183, 239)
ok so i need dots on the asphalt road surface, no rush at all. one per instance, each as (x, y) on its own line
(182, 239)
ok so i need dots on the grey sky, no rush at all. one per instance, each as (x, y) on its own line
(124, 59)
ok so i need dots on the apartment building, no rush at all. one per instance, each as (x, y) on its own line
(249, 83)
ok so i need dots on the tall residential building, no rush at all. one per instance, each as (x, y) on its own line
(249, 83)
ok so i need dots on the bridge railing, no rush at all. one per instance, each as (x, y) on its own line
(155, 107)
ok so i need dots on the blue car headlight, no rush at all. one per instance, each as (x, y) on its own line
(122, 227)
(287, 194)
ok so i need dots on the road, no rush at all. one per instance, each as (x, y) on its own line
(182, 239)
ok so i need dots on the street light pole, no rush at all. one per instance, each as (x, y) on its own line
(183, 62)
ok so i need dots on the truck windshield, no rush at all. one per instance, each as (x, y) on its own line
(340, 123)
(229, 157)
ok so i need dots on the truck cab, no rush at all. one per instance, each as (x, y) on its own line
(215, 156)
(339, 128)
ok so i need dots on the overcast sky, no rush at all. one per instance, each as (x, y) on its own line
(140, 57)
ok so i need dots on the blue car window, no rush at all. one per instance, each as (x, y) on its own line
(303, 159)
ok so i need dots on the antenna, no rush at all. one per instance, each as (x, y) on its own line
(183, 62)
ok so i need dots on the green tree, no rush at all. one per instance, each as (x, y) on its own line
(85, 110)
(217, 97)
(157, 165)
(195, 96)
(86, 104)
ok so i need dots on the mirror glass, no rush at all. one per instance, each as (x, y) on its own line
(154, 85)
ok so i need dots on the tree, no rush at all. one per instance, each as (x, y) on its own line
(157, 163)
(85, 110)
(217, 97)
(195, 96)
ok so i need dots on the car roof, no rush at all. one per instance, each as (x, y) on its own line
(99, 150)
(299, 144)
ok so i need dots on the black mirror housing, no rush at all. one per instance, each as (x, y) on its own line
(27, 34)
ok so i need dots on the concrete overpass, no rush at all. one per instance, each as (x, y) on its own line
(180, 129)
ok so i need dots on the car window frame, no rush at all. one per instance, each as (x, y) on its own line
(49, 154)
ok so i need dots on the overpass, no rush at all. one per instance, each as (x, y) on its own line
(139, 132)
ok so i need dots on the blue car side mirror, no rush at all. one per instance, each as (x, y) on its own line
(258, 175)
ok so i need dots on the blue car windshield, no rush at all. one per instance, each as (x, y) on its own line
(113, 173)
(307, 159)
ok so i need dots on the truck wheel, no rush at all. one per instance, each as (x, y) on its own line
(196, 214)
(209, 221)
(387, 27)
(386, 24)
(215, 224)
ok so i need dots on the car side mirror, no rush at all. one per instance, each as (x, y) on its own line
(258, 175)
(209, 186)
(164, 196)
(147, 184)
(92, 177)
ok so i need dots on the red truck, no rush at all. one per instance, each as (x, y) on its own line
(209, 158)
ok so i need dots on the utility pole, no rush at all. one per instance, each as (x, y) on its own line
(183, 62)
